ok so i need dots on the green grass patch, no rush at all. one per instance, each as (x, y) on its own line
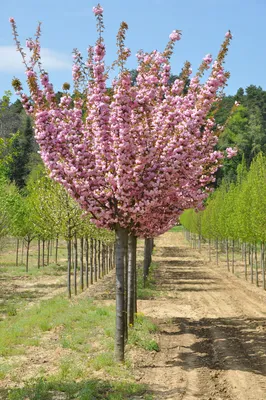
(84, 390)
(176, 228)
(150, 290)
(142, 333)
(87, 330)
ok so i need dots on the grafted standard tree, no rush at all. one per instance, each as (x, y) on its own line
(134, 156)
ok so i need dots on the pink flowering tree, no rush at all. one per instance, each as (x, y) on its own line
(133, 156)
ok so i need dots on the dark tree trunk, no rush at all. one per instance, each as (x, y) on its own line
(245, 260)
(256, 265)
(147, 259)
(103, 258)
(81, 264)
(48, 252)
(56, 249)
(69, 267)
(43, 251)
(87, 261)
(39, 254)
(110, 258)
(233, 256)
(227, 255)
(95, 261)
(91, 260)
(132, 249)
(99, 260)
(263, 265)
(22, 252)
(27, 255)
(120, 247)
(75, 264)
(251, 265)
(217, 251)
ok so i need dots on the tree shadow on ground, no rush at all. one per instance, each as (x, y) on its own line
(186, 276)
(222, 343)
(177, 252)
(42, 389)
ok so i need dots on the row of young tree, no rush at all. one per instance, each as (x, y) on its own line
(234, 220)
(45, 212)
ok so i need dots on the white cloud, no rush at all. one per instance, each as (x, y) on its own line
(10, 60)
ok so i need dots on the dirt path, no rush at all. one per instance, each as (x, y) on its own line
(212, 330)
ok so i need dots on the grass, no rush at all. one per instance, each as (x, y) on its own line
(176, 228)
(84, 390)
(85, 332)
(150, 290)
(18, 287)
(141, 334)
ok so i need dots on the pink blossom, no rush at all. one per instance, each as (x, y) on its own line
(142, 154)
(228, 34)
(98, 10)
(231, 152)
(30, 44)
(11, 20)
(174, 36)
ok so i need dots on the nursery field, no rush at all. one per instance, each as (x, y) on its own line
(200, 334)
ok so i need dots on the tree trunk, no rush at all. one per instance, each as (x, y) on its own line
(75, 263)
(87, 261)
(251, 265)
(121, 239)
(263, 265)
(81, 264)
(110, 258)
(227, 256)
(43, 251)
(17, 250)
(69, 267)
(245, 260)
(91, 260)
(95, 261)
(233, 256)
(104, 258)
(56, 250)
(22, 251)
(132, 249)
(200, 243)
(39, 254)
(99, 260)
(27, 255)
(217, 251)
(48, 252)
(256, 265)
(147, 260)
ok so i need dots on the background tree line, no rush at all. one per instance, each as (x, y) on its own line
(234, 221)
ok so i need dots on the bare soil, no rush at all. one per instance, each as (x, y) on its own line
(212, 330)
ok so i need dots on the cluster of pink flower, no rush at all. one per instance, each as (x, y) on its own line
(140, 155)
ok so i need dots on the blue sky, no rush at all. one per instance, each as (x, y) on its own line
(67, 24)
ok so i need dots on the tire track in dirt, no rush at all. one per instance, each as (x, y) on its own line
(212, 330)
